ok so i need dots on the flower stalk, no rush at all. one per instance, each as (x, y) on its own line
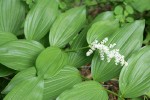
(114, 94)
(75, 50)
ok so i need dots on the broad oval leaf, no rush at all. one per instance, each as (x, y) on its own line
(19, 55)
(128, 39)
(108, 15)
(134, 79)
(12, 14)
(79, 58)
(139, 5)
(89, 90)
(20, 77)
(51, 61)
(66, 26)
(4, 71)
(6, 37)
(27, 90)
(65, 79)
(102, 29)
(40, 18)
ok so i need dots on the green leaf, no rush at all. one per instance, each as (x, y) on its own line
(20, 77)
(27, 90)
(40, 18)
(79, 58)
(90, 2)
(121, 18)
(101, 29)
(6, 37)
(108, 15)
(118, 10)
(89, 90)
(129, 9)
(31, 3)
(63, 5)
(12, 14)
(66, 26)
(51, 61)
(134, 79)
(128, 39)
(20, 54)
(4, 71)
(129, 19)
(64, 80)
(125, 13)
(140, 5)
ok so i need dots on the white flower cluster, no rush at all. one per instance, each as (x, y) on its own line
(108, 51)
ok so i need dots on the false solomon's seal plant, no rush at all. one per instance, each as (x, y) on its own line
(46, 62)
(105, 50)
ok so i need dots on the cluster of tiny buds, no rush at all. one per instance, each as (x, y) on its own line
(108, 51)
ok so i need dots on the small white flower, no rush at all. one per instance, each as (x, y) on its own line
(126, 64)
(112, 45)
(89, 52)
(108, 51)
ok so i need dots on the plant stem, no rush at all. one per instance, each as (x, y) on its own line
(114, 94)
(85, 78)
(145, 98)
(74, 50)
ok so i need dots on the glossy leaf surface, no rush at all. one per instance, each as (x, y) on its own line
(102, 29)
(40, 18)
(66, 26)
(19, 55)
(64, 80)
(24, 75)
(12, 14)
(27, 90)
(134, 79)
(51, 61)
(89, 90)
(139, 5)
(6, 37)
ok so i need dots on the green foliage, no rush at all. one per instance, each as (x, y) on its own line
(123, 13)
(40, 18)
(60, 82)
(118, 10)
(26, 74)
(85, 91)
(64, 80)
(28, 89)
(79, 58)
(139, 5)
(12, 14)
(50, 61)
(20, 54)
(6, 37)
(129, 39)
(135, 78)
(101, 30)
(66, 26)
